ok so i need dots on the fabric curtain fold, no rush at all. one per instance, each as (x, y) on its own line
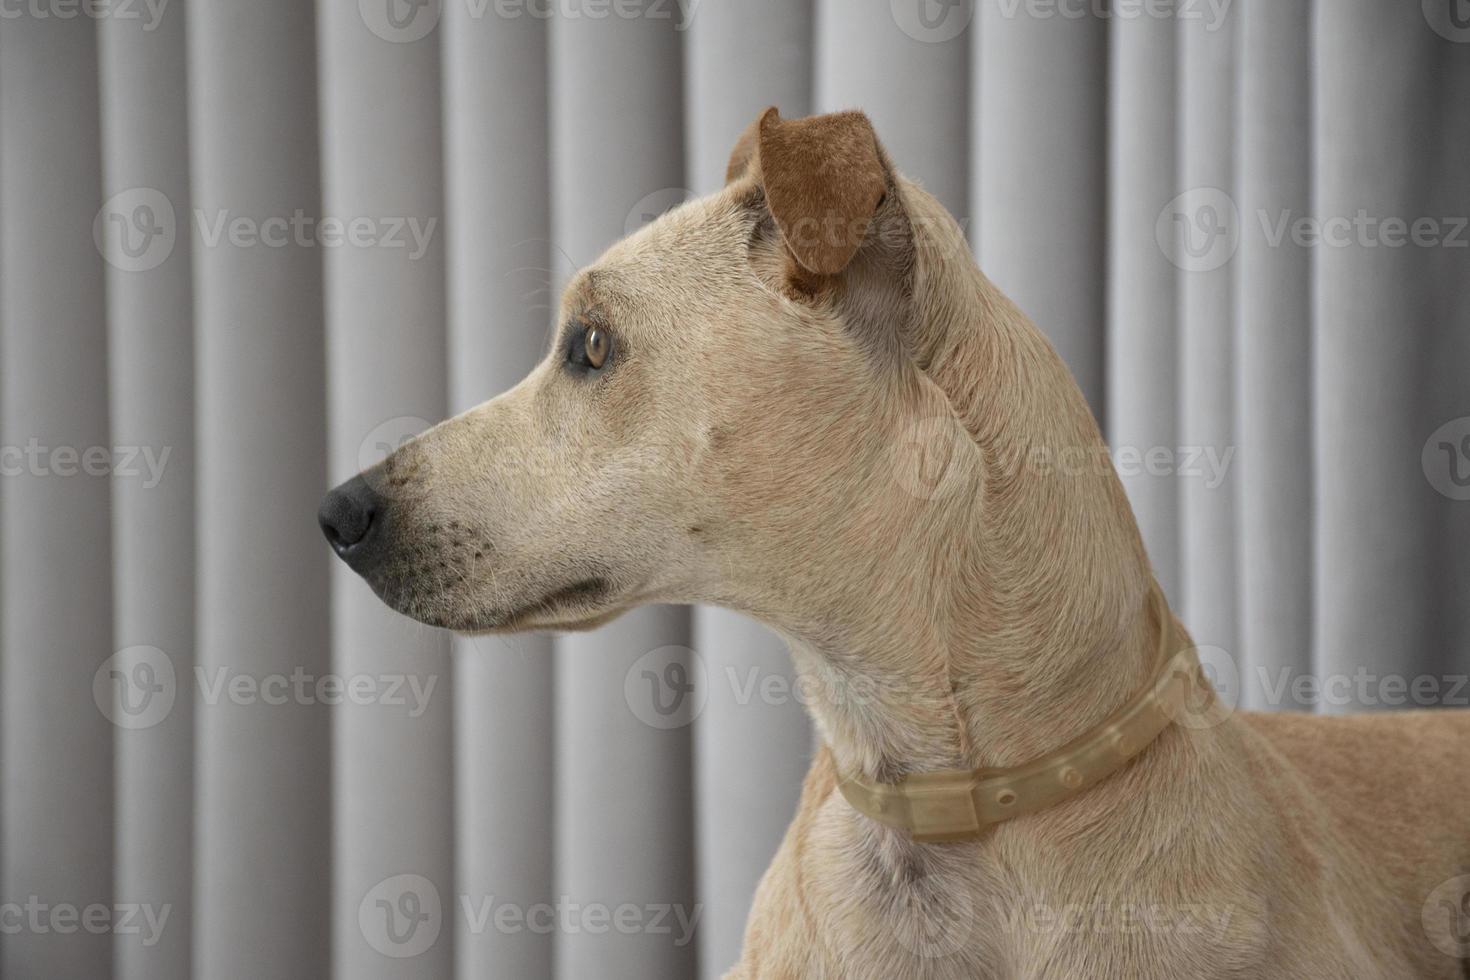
(248, 249)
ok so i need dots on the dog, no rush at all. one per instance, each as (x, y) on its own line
(800, 399)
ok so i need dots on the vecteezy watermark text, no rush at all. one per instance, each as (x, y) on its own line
(1209, 464)
(1211, 13)
(136, 688)
(137, 229)
(308, 231)
(1363, 229)
(1363, 688)
(670, 686)
(403, 915)
(40, 918)
(150, 12)
(593, 918)
(1117, 918)
(36, 458)
(300, 687)
(1202, 229)
(406, 21)
(938, 21)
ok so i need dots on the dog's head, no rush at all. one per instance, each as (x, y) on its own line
(725, 414)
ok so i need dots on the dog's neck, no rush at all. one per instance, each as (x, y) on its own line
(1005, 613)
(963, 679)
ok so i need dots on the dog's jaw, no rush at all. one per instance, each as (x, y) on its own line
(582, 604)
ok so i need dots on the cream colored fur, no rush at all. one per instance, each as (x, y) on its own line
(853, 458)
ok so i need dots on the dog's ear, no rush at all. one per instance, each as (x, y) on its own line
(824, 178)
(830, 221)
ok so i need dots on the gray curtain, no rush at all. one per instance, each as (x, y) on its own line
(248, 248)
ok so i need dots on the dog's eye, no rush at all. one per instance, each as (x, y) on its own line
(590, 348)
(597, 345)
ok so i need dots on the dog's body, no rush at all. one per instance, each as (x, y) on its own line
(1277, 846)
(748, 436)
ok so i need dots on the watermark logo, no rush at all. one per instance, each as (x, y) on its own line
(666, 688)
(406, 471)
(135, 229)
(135, 687)
(926, 458)
(652, 206)
(401, 916)
(1446, 917)
(1450, 19)
(1212, 693)
(388, 437)
(412, 235)
(400, 21)
(666, 691)
(1199, 231)
(932, 21)
(1446, 459)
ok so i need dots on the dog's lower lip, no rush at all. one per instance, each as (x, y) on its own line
(587, 592)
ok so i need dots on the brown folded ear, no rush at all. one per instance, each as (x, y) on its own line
(824, 177)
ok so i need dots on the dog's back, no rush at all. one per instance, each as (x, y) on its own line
(1394, 789)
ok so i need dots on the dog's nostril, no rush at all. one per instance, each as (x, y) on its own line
(347, 514)
(347, 528)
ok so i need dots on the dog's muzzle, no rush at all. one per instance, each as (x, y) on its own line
(352, 517)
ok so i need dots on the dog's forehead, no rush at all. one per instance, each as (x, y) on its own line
(697, 222)
(670, 259)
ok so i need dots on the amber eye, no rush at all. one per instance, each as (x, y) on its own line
(589, 349)
(596, 343)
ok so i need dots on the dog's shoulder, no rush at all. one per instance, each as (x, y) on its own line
(1392, 788)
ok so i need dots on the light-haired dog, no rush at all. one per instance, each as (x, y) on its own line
(799, 398)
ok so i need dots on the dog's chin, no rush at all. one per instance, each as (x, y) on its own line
(567, 623)
(582, 605)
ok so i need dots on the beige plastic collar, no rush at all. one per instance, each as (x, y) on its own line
(956, 805)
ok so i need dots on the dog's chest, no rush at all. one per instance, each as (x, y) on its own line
(875, 906)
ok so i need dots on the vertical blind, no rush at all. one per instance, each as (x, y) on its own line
(247, 248)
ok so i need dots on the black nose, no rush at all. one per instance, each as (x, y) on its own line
(351, 517)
